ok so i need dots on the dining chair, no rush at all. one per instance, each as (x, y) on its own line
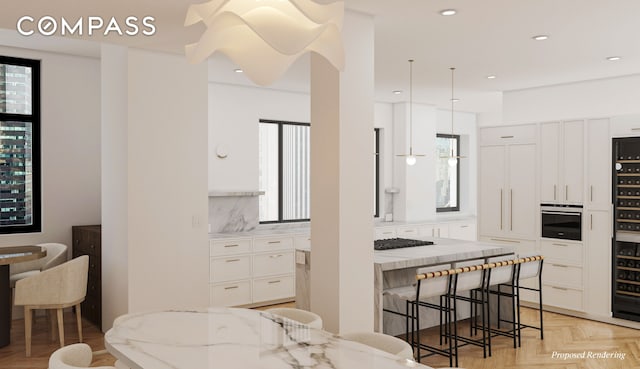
(57, 288)
(313, 320)
(56, 255)
(383, 342)
(76, 356)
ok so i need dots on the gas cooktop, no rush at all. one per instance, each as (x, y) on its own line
(398, 243)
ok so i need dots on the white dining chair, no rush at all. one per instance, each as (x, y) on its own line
(76, 356)
(313, 320)
(57, 288)
(383, 342)
(56, 255)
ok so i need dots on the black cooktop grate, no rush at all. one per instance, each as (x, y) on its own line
(398, 243)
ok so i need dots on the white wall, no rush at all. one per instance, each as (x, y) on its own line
(166, 183)
(588, 99)
(70, 126)
(234, 112)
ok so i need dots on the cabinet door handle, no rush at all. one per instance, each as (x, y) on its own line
(555, 191)
(438, 232)
(559, 288)
(635, 129)
(275, 256)
(273, 242)
(566, 192)
(236, 245)
(591, 221)
(506, 136)
(274, 282)
(231, 288)
(560, 265)
(560, 244)
(232, 260)
(464, 226)
(511, 209)
(501, 240)
(591, 193)
(501, 209)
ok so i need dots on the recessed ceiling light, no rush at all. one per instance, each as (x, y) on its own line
(397, 92)
(540, 37)
(238, 70)
(491, 77)
(447, 12)
(613, 58)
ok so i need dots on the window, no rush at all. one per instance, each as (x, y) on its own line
(447, 173)
(284, 155)
(284, 171)
(19, 145)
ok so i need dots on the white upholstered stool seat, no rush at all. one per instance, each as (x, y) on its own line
(313, 320)
(76, 356)
(383, 342)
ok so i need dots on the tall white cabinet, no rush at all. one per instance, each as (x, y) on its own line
(562, 162)
(507, 177)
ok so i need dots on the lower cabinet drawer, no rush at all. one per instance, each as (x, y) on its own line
(384, 233)
(566, 298)
(562, 274)
(230, 294)
(273, 263)
(274, 288)
(230, 268)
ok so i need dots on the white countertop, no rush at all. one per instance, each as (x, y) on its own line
(304, 227)
(219, 338)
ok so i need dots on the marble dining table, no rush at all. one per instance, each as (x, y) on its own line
(231, 338)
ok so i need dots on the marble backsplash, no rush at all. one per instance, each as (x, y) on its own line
(233, 213)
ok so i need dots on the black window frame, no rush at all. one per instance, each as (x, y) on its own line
(376, 210)
(35, 119)
(281, 124)
(457, 207)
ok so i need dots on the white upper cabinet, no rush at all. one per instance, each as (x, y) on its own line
(507, 175)
(598, 162)
(562, 157)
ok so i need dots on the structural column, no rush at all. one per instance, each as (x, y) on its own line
(342, 182)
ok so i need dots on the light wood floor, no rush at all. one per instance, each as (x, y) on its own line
(562, 334)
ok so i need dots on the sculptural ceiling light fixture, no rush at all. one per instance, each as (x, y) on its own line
(264, 37)
(411, 157)
(452, 158)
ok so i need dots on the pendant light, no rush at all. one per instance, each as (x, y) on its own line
(411, 157)
(452, 159)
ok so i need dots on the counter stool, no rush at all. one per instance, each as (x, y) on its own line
(504, 271)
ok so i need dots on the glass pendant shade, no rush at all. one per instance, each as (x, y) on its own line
(264, 37)
(411, 160)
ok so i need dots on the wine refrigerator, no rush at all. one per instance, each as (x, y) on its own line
(626, 243)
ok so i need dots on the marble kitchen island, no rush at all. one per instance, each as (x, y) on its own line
(397, 267)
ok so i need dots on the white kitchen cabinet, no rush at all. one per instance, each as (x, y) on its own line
(382, 233)
(230, 294)
(230, 268)
(463, 231)
(229, 246)
(434, 230)
(273, 288)
(562, 162)
(598, 226)
(563, 272)
(625, 126)
(407, 231)
(273, 263)
(598, 165)
(508, 206)
(272, 243)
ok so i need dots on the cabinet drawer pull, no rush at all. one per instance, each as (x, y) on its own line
(560, 265)
(276, 256)
(231, 288)
(501, 240)
(274, 282)
(387, 232)
(408, 230)
(92, 246)
(635, 129)
(506, 136)
(464, 226)
(236, 245)
(559, 288)
(273, 242)
(232, 260)
(560, 244)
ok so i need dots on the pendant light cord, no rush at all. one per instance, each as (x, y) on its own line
(452, 97)
(410, 106)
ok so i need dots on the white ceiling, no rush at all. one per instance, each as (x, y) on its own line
(485, 37)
